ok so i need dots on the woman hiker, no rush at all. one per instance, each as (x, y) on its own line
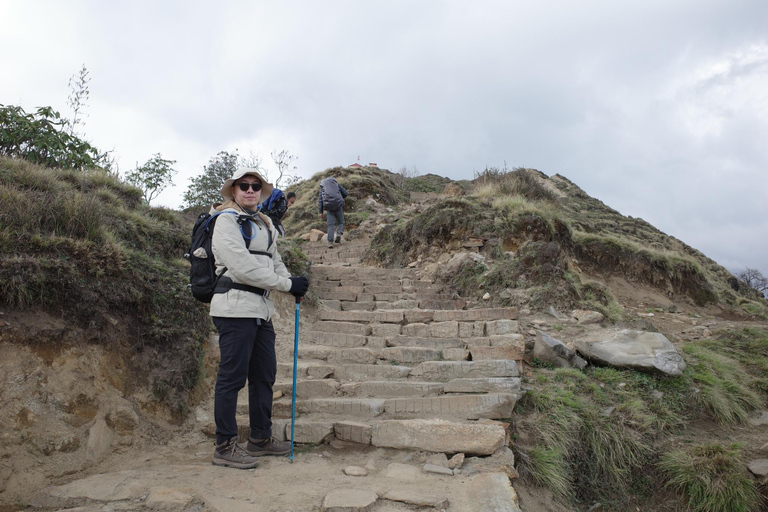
(250, 267)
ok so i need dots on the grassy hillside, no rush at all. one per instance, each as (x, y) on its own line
(543, 236)
(361, 183)
(82, 247)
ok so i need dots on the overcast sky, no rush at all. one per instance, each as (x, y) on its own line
(659, 108)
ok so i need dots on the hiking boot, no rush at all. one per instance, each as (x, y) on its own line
(330, 244)
(232, 455)
(338, 239)
(271, 446)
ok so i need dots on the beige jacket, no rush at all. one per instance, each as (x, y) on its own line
(258, 270)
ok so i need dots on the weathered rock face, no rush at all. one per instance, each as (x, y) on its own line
(643, 351)
(554, 351)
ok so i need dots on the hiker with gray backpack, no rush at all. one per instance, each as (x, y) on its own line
(331, 200)
(235, 266)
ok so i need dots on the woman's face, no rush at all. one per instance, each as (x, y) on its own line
(248, 198)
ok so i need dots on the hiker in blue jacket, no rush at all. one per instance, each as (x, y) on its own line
(331, 200)
(276, 206)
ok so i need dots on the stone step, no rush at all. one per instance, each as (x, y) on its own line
(312, 370)
(334, 339)
(363, 372)
(501, 352)
(384, 389)
(309, 388)
(436, 304)
(373, 275)
(433, 435)
(443, 371)
(336, 355)
(394, 316)
(343, 327)
(394, 297)
(422, 316)
(483, 385)
(424, 342)
(490, 406)
(410, 354)
(400, 304)
(329, 407)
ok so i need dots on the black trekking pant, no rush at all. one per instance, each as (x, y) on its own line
(247, 348)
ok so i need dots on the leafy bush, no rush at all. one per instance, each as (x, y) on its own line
(41, 138)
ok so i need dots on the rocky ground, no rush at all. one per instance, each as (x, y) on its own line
(384, 357)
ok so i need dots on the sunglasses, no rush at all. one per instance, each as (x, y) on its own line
(256, 186)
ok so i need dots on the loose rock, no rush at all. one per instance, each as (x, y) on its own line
(355, 471)
(349, 500)
(440, 470)
(644, 351)
(554, 351)
(456, 461)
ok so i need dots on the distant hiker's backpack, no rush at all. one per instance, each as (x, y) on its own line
(269, 204)
(203, 280)
(332, 198)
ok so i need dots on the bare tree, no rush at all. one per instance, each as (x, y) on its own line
(283, 160)
(78, 96)
(253, 160)
(754, 279)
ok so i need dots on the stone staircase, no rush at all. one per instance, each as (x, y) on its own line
(396, 361)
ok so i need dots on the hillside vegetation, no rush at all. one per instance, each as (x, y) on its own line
(547, 238)
(82, 246)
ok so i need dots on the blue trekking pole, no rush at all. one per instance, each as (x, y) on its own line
(295, 364)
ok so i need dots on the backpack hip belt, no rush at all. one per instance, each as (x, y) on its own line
(225, 284)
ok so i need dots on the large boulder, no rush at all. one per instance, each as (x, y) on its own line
(555, 352)
(644, 351)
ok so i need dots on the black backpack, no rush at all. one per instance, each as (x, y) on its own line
(332, 198)
(203, 280)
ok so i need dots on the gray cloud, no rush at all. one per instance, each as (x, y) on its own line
(658, 109)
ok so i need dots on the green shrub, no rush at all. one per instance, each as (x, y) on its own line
(40, 138)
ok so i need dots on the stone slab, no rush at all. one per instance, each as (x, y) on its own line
(492, 353)
(358, 355)
(442, 371)
(385, 389)
(350, 407)
(349, 500)
(410, 354)
(483, 385)
(438, 436)
(363, 316)
(370, 372)
(425, 342)
(471, 315)
(353, 432)
(342, 327)
(494, 327)
(335, 339)
(492, 406)
(385, 330)
(493, 491)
